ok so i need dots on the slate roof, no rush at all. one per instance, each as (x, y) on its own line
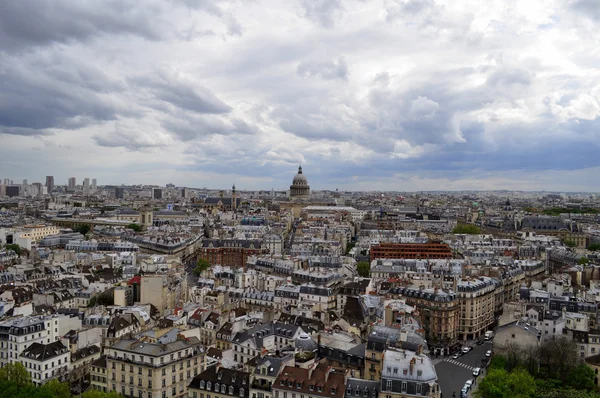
(214, 377)
(258, 332)
(44, 352)
(84, 352)
(355, 388)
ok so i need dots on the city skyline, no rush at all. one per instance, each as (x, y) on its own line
(381, 95)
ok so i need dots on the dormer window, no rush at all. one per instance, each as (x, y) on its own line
(223, 388)
(241, 392)
(289, 383)
(320, 388)
(201, 383)
(298, 385)
(332, 390)
(349, 390)
(208, 385)
(230, 390)
(310, 388)
(419, 372)
(281, 383)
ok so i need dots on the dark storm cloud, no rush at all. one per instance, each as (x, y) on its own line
(337, 69)
(171, 87)
(26, 23)
(322, 12)
(32, 102)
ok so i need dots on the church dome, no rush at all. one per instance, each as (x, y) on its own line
(300, 179)
(299, 187)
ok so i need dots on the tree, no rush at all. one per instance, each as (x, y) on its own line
(15, 373)
(594, 247)
(201, 266)
(569, 243)
(581, 378)
(499, 383)
(82, 229)
(469, 229)
(363, 268)
(135, 227)
(100, 394)
(14, 247)
(583, 261)
(55, 389)
(513, 356)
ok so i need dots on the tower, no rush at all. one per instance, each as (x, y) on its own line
(233, 198)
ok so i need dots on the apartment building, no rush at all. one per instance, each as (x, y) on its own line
(271, 337)
(316, 302)
(477, 306)
(31, 234)
(45, 362)
(18, 334)
(439, 309)
(406, 373)
(98, 375)
(152, 370)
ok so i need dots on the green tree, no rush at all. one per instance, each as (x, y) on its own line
(498, 362)
(15, 373)
(100, 394)
(135, 227)
(469, 229)
(581, 378)
(14, 247)
(594, 247)
(201, 266)
(498, 383)
(55, 389)
(570, 243)
(583, 261)
(82, 229)
(363, 268)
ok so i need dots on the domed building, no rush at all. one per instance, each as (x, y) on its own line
(299, 188)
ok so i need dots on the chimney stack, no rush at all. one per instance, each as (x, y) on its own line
(412, 365)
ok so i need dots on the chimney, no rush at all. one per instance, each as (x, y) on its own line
(412, 365)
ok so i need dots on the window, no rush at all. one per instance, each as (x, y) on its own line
(241, 392)
(403, 386)
(388, 385)
(418, 388)
(230, 390)
(201, 383)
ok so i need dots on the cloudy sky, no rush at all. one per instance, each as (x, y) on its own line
(366, 94)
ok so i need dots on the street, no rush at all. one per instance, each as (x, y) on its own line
(453, 373)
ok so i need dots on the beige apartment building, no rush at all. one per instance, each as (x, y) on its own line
(477, 298)
(135, 368)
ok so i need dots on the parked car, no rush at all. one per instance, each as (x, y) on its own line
(466, 349)
(479, 342)
(463, 392)
(476, 372)
(469, 384)
(488, 353)
(456, 356)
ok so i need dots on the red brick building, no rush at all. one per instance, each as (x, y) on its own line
(230, 252)
(411, 250)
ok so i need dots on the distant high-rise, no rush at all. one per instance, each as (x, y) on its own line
(86, 184)
(12, 191)
(119, 192)
(157, 193)
(50, 183)
(25, 182)
(6, 181)
(72, 183)
(93, 184)
(183, 192)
